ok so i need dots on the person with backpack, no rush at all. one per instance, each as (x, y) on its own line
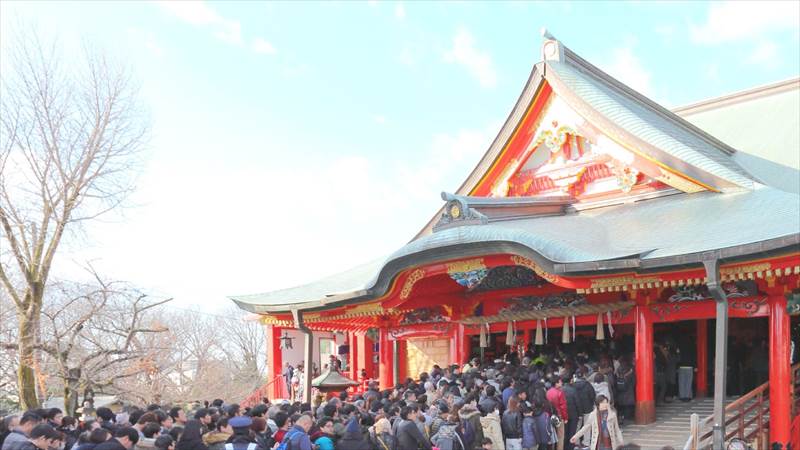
(447, 436)
(511, 424)
(324, 438)
(471, 428)
(381, 436)
(536, 428)
(297, 437)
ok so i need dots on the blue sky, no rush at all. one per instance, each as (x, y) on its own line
(292, 140)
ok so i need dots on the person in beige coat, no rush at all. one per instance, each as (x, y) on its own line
(603, 425)
(492, 429)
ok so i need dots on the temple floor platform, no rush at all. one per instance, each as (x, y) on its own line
(671, 428)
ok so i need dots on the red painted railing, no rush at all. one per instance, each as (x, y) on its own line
(255, 397)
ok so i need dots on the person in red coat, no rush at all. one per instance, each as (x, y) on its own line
(557, 398)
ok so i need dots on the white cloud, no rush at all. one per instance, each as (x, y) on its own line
(262, 46)
(400, 11)
(626, 67)
(199, 13)
(477, 62)
(735, 20)
(765, 54)
(380, 119)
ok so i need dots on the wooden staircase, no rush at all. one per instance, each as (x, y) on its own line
(671, 428)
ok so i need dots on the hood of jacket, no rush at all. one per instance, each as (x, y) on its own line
(468, 412)
(215, 437)
(491, 417)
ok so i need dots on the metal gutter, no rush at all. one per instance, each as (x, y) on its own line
(720, 350)
(308, 351)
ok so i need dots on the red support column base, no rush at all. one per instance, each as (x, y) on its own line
(645, 412)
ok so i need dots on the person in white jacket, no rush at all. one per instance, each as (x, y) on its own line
(600, 385)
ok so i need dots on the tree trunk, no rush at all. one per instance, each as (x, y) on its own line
(26, 376)
(71, 387)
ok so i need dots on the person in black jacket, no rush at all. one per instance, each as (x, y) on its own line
(124, 439)
(571, 395)
(353, 438)
(192, 437)
(43, 437)
(511, 423)
(408, 435)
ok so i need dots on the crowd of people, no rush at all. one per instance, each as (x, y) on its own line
(550, 402)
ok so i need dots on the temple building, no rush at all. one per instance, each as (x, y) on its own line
(595, 213)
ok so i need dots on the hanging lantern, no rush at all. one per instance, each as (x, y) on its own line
(510, 335)
(601, 335)
(286, 341)
(539, 336)
(483, 344)
(565, 331)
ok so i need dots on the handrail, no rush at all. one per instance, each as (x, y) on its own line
(736, 412)
(259, 393)
(755, 402)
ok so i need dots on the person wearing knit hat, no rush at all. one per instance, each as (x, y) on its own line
(353, 438)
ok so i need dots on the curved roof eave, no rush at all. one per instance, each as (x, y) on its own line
(394, 267)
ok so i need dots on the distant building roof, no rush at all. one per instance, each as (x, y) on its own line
(763, 124)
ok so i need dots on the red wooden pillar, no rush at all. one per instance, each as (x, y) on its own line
(465, 346)
(274, 362)
(701, 380)
(352, 344)
(386, 362)
(459, 345)
(366, 352)
(780, 378)
(402, 362)
(645, 402)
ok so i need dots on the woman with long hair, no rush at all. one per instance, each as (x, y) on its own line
(604, 426)
(511, 423)
(192, 437)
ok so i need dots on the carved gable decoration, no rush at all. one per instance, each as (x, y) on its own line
(733, 289)
(468, 273)
(424, 315)
(563, 161)
(508, 277)
(537, 303)
(567, 155)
